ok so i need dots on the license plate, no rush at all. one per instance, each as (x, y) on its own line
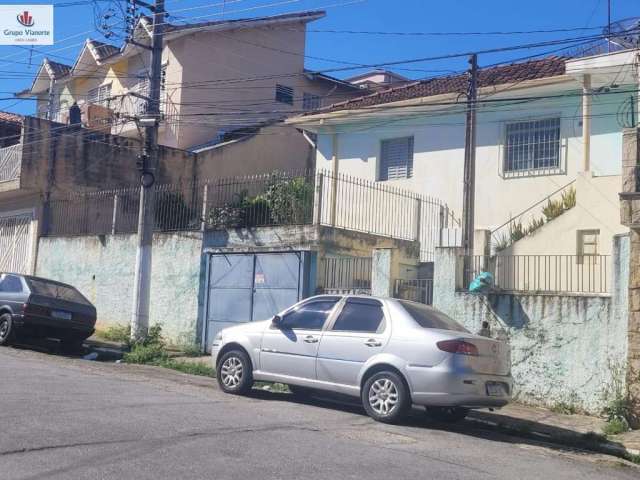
(61, 315)
(496, 390)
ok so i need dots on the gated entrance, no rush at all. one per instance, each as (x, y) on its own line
(246, 287)
(15, 243)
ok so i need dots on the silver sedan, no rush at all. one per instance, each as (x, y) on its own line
(390, 353)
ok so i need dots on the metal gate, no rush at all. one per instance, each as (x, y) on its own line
(250, 287)
(15, 243)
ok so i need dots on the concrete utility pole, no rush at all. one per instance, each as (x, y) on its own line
(468, 202)
(148, 165)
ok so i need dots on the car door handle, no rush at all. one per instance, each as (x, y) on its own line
(310, 339)
(373, 343)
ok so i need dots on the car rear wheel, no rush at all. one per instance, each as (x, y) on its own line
(447, 414)
(6, 329)
(234, 373)
(385, 397)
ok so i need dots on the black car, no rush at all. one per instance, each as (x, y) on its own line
(37, 307)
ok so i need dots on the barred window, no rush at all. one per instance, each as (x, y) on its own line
(284, 94)
(310, 101)
(533, 146)
(99, 95)
(396, 158)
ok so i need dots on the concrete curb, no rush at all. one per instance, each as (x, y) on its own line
(590, 441)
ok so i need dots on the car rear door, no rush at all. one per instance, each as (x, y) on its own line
(359, 331)
(290, 349)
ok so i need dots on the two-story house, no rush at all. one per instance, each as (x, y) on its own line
(218, 77)
(549, 132)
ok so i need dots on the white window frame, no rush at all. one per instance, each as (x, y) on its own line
(580, 234)
(560, 169)
(410, 168)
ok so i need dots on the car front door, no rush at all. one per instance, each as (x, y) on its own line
(360, 330)
(290, 349)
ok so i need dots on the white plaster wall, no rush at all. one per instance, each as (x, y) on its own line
(102, 268)
(439, 151)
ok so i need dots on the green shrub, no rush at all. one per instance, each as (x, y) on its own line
(290, 200)
(553, 209)
(146, 354)
(564, 408)
(569, 198)
(191, 350)
(615, 426)
(516, 231)
(502, 243)
(115, 333)
(534, 224)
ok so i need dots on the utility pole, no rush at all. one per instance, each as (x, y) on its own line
(608, 26)
(468, 202)
(148, 165)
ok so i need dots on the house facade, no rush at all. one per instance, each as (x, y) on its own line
(218, 77)
(546, 130)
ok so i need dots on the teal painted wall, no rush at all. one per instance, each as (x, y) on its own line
(102, 268)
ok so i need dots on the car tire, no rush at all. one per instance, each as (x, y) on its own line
(7, 333)
(235, 373)
(385, 397)
(447, 414)
(72, 346)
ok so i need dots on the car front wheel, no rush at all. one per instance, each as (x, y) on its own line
(235, 373)
(6, 329)
(385, 397)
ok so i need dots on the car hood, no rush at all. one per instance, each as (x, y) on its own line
(249, 327)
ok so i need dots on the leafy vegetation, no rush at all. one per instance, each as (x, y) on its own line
(285, 201)
(152, 351)
(564, 408)
(115, 333)
(615, 427)
(553, 209)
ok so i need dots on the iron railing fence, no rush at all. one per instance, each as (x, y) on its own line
(344, 275)
(273, 199)
(417, 290)
(10, 162)
(543, 273)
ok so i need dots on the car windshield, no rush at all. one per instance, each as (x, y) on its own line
(56, 290)
(428, 317)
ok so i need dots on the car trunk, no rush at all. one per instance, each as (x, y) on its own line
(494, 356)
(68, 313)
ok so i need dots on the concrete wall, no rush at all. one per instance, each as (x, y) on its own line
(565, 348)
(102, 268)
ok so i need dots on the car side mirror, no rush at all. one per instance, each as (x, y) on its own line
(276, 321)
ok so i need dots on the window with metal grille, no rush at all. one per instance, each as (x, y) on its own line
(99, 95)
(284, 94)
(532, 147)
(396, 159)
(587, 244)
(310, 101)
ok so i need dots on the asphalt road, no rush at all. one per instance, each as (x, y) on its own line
(74, 419)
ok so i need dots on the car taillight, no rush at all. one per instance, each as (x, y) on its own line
(33, 309)
(458, 346)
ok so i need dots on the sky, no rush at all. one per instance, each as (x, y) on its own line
(418, 20)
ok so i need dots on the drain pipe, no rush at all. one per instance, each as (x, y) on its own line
(586, 122)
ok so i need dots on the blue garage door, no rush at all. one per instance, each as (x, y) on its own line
(250, 287)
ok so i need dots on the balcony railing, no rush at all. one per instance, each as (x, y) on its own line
(10, 160)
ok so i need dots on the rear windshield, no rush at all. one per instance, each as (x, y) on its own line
(428, 317)
(55, 290)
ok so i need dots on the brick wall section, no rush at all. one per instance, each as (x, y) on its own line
(630, 216)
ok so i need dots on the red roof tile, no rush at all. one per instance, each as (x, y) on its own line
(10, 117)
(516, 72)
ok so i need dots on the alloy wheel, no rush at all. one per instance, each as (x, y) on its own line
(231, 372)
(4, 328)
(383, 396)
